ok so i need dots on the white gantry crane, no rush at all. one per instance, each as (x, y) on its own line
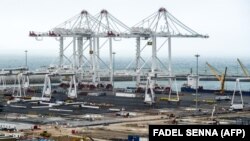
(89, 33)
(85, 32)
(72, 90)
(108, 28)
(160, 24)
(21, 81)
(239, 104)
(47, 92)
(78, 30)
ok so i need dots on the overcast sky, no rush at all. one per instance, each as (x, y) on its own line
(227, 22)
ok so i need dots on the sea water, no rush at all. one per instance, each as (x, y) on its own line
(180, 65)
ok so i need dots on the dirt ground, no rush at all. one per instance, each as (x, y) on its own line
(136, 125)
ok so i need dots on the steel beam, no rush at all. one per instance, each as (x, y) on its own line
(154, 57)
(74, 53)
(97, 58)
(138, 56)
(169, 57)
(110, 60)
(94, 61)
(61, 52)
(80, 51)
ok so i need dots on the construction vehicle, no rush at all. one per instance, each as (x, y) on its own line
(45, 134)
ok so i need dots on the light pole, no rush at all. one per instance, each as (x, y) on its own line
(113, 70)
(26, 65)
(197, 79)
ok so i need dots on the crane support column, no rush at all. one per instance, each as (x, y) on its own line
(90, 53)
(97, 58)
(169, 64)
(80, 51)
(91, 58)
(169, 57)
(110, 60)
(94, 61)
(138, 55)
(61, 52)
(153, 67)
(74, 52)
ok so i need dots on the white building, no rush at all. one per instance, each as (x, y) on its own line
(15, 125)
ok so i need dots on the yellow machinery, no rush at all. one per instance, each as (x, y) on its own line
(221, 77)
(45, 134)
(244, 69)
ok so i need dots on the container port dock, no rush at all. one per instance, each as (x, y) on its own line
(77, 98)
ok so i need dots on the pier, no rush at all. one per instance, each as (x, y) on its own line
(79, 95)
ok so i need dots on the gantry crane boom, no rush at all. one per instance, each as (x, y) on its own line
(220, 78)
(244, 69)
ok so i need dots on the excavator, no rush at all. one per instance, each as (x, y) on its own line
(221, 77)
